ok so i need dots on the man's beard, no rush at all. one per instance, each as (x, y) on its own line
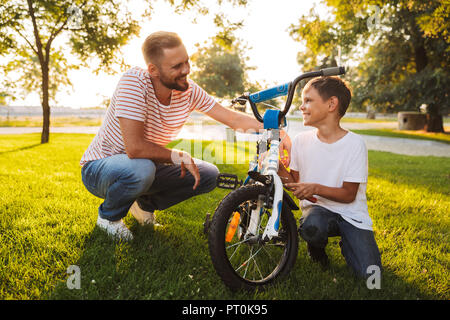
(174, 85)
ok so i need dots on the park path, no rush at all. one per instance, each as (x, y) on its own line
(217, 132)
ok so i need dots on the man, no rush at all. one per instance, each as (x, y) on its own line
(127, 163)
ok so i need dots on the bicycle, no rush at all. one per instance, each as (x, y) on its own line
(252, 236)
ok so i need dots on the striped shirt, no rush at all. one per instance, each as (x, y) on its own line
(134, 98)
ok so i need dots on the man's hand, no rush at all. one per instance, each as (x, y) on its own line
(187, 163)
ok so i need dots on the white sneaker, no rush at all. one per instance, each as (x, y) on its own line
(143, 217)
(116, 229)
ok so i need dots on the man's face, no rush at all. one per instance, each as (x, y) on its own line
(314, 109)
(174, 68)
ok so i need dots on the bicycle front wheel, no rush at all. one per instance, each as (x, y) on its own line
(243, 260)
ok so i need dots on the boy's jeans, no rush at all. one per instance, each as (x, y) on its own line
(121, 180)
(358, 246)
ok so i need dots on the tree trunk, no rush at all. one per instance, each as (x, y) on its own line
(44, 62)
(435, 121)
(45, 106)
(421, 59)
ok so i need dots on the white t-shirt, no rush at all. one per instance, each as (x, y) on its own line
(331, 165)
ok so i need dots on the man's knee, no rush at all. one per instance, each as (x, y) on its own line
(208, 176)
(139, 175)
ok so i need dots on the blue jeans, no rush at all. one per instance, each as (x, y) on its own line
(358, 246)
(120, 181)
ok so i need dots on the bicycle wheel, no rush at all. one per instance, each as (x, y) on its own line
(244, 261)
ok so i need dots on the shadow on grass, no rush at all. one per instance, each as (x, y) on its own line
(173, 263)
(154, 266)
(169, 263)
(21, 149)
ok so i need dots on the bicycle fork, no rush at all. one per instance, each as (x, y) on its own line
(273, 224)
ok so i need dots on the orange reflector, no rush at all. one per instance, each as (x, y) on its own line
(232, 227)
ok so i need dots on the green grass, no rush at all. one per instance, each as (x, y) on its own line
(54, 122)
(365, 120)
(47, 223)
(408, 134)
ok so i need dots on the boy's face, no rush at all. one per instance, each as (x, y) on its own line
(314, 109)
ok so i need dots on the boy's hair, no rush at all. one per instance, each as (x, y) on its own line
(154, 44)
(333, 86)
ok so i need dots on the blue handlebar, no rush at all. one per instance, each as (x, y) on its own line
(271, 93)
(285, 89)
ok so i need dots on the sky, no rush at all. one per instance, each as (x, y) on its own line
(272, 51)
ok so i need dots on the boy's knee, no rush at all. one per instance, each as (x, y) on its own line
(313, 232)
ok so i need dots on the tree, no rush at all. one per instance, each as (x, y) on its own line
(219, 71)
(93, 31)
(402, 48)
(220, 64)
(29, 79)
(92, 28)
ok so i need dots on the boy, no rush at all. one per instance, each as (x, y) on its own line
(330, 164)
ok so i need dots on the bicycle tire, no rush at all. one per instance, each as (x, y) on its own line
(217, 245)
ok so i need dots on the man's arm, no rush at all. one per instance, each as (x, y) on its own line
(137, 147)
(246, 123)
(234, 119)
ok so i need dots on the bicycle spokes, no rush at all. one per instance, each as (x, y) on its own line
(250, 257)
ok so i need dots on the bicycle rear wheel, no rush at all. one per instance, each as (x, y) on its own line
(249, 262)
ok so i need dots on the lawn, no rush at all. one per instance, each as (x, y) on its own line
(70, 121)
(47, 223)
(443, 137)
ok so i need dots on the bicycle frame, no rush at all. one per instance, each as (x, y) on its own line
(272, 124)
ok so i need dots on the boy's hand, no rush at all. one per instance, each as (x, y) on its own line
(304, 190)
(285, 144)
(284, 174)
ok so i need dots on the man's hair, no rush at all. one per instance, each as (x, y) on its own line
(333, 86)
(154, 44)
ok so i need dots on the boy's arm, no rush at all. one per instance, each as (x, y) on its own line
(345, 194)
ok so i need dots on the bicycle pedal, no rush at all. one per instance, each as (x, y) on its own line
(228, 181)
